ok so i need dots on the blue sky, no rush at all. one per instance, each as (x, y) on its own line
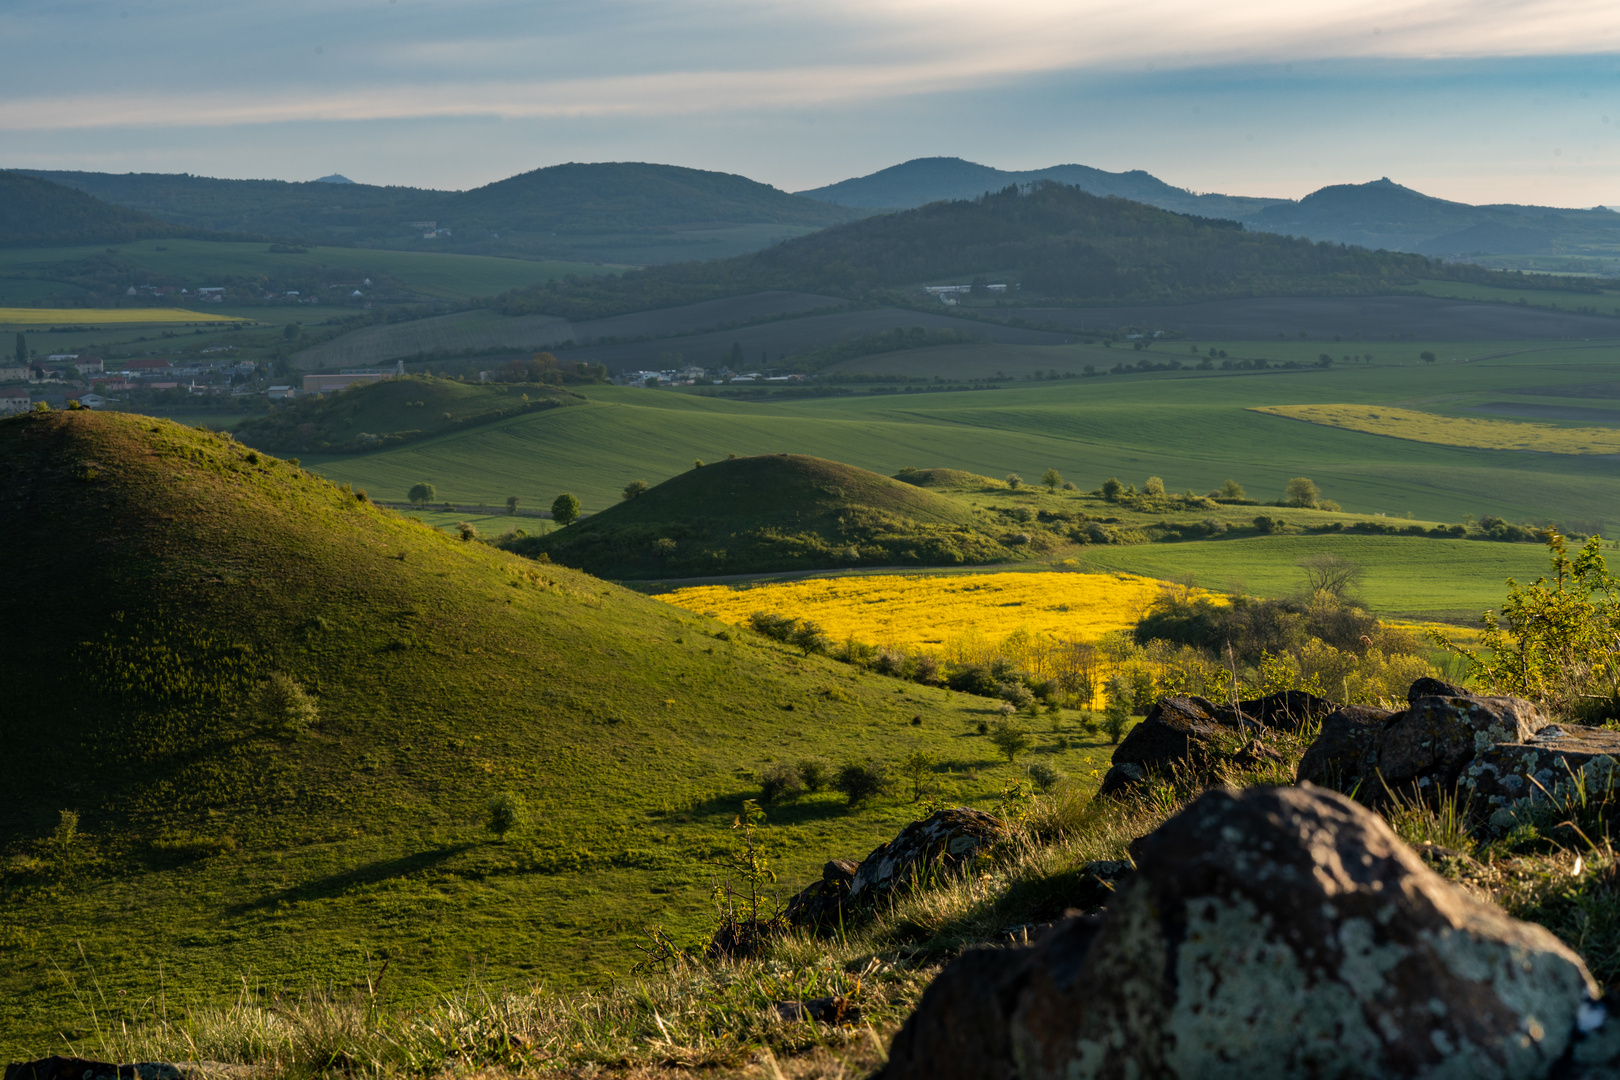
(1478, 100)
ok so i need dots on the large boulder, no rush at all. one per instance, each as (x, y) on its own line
(1176, 731)
(1344, 755)
(1286, 710)
(1270, 932)
(1432, 741)
(819, 906)
(1507, 780)
(937, 845)
(72, 1068)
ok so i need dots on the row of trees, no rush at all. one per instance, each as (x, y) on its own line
(564, 508)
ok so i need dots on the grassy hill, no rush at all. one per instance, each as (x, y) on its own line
(393, 411)
(37, 212)
(1057, 244)
(777, 512)
(163, 574)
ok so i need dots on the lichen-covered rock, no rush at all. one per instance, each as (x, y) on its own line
(71, 1068)
(1431, 742)
(1344, 754)
(939, 844)
(1280, 932)
(1511, 783)
(819, 906)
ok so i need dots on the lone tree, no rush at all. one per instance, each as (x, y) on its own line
(1302, 491)
(1014, 480)
(511, 505)
(1426, 356)
(918, 768)
(1330, 573)
(564, 509)
(422, 493)
(1052, 479)
(1232, 490)
(1153, 487)
(635, 489)
(506, 812)
(22, 349)
(1112, 489)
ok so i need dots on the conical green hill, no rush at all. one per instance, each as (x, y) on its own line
(774, 512)
(161, 575)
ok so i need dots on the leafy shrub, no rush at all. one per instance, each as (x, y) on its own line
(1116, 717)
(1009, 738)
(1045, 776)
(814, 773)
(778, 782)
(282, 706)
(466, 531)
(860, 783)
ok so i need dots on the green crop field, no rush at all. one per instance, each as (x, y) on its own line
(444, 276)
(443, 333)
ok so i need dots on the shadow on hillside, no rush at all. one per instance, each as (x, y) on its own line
(790, 811)
(370, 873)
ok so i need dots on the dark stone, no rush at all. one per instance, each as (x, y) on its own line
(1176, 731)
(819, 906)
(69, 1068)
(1255, 754)
(836, 1011)
(1431, 742)
(938, 845)
(959, 1030)
(1277, 932)
(1344, 754)
(1427, 687)
(1286, 710)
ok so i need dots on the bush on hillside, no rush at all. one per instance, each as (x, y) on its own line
(282, 706)
(1009, 738)
(779, 782)
(505, 813)
(814, 773)
(862, 782)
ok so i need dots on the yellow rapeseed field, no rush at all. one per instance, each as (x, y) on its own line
(954, 616)
(1454, 430)
(27, 316)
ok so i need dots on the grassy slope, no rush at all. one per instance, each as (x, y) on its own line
(776, 512)
(156, 585)
(202, 262)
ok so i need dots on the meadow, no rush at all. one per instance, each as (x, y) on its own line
(98, 317)
(1399, 423)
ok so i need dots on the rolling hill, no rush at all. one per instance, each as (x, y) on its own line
(165, 575)
(1384, 214)
(36, 213)
(924, 180)
(777, 512)
(605, 211)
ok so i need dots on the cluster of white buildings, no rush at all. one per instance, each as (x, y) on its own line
(693, 376)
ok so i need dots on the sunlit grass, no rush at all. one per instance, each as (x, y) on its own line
(1454, 430)
(15, 316)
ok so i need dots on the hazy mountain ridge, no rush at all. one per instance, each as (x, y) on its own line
(924, 180)
(584, 211)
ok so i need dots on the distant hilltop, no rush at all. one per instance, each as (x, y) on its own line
(335, 178)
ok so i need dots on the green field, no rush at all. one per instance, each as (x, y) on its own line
(1190, 428)
(203, 262)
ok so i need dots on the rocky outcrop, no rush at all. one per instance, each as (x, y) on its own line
(819, 906)
(936, 846)
(1286, 710)
(1431, 742)
(1271, 932)
(1513, 783)
(71, 1068)
(1176, 731)
(1344, 755)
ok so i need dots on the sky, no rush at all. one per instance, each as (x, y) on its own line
(1475, 100)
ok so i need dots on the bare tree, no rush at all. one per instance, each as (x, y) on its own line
(1330, 573)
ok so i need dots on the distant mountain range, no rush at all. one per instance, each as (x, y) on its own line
(1379, 214)
(646, 214)
(607, 212)
(924, 180)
